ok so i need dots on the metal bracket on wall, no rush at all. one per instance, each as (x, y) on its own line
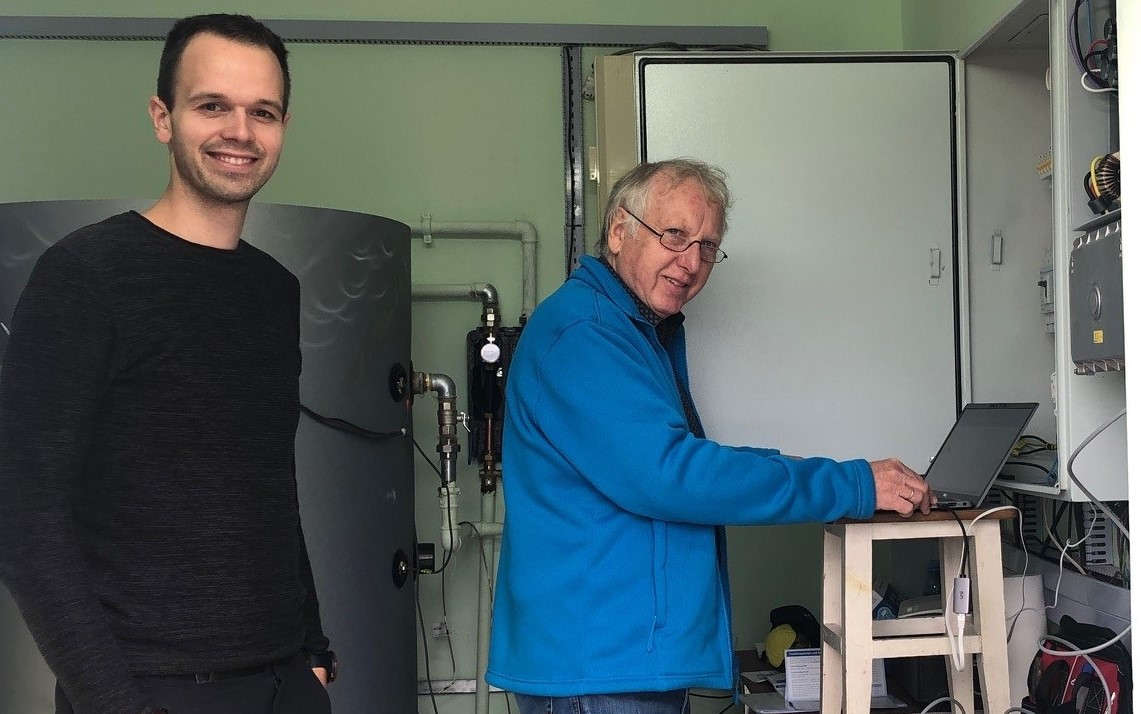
(573, 106)
(38, 27)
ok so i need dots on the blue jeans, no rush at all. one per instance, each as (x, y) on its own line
(672, 702)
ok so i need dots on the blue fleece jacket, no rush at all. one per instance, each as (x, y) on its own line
(612, 574)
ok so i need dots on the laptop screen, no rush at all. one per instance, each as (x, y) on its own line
(977, 447)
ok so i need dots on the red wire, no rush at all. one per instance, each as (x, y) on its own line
(1090, 51)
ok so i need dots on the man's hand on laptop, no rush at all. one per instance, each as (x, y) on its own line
(900, 489)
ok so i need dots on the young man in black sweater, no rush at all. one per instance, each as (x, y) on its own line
(149, 526)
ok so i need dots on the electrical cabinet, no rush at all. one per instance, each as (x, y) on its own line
(1032, 132)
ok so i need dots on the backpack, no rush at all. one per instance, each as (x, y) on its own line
(1060, 684)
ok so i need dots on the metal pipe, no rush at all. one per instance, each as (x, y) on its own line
(447, 417)
(448, 447)
(482, 291)
(485, 292)
(524, 230)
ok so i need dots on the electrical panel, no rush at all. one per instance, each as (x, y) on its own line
(1097, 315)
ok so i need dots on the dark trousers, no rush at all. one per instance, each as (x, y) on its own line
(286, 687)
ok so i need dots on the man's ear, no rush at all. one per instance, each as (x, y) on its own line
(160, 119)
(615, 235)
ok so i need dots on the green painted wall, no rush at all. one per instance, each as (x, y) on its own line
(462, 133)
(955, 25)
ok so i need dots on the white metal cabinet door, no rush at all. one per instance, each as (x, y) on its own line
(824, 333)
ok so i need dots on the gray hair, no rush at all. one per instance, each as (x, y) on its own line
(632, 192)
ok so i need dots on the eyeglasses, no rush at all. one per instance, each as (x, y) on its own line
(671, 239)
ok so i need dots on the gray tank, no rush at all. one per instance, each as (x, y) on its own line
(356, 494)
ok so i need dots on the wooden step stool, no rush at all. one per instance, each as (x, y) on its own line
(851, 639)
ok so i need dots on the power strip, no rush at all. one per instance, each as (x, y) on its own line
(1098, 547)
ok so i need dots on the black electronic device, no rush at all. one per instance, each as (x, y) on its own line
(974, 452)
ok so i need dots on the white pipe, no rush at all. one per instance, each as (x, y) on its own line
(488, 530)
(449, 518)
(524, 230)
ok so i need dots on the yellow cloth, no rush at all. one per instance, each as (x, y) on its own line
(780, 639)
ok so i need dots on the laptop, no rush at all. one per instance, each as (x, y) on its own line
(974, 452)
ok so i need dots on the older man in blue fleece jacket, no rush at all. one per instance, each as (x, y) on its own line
(613, 593)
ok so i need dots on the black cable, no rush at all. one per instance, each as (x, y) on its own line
(1053, 528)
(685, 48)
(429, 460)
(1031, 464)
(711, 696)
(424, 637)
(655, 46)
(1089, 189)
(482, 560)
(447, 624)
(490, 593)
(349, 427)
(1075, 526)
(1078, 51)
(963, 569)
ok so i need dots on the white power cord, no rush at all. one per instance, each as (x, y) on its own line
(1064, 550)
(1074, 651)
(1093, 499)
(940, 700)
(1065, 556)
(1091, 650)
(1095, 90)
(956, 635)
(958, 658)
(961, 595)
(1025, 566)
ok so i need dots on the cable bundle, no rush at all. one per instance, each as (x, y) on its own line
(1103, 183)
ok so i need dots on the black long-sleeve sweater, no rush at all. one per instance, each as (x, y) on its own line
(148, 506)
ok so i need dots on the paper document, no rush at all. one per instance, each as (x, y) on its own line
(801, 682)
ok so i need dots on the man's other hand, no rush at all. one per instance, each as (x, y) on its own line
(900, 489)
(322, 674)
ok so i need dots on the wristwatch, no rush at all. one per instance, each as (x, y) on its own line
(326, 660)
